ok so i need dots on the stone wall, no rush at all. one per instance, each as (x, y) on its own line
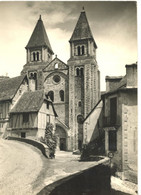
(95, 181)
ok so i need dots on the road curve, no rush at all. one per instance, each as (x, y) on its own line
(20, 165)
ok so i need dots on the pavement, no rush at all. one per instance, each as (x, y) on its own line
(24, 170)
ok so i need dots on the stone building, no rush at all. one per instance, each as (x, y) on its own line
(120, 122)
(74, 88)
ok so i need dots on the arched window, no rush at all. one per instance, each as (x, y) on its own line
(34, 56)
(51, 95)
(37, 56)
(77, 71)
(81, 71)
(62, 95)
(79, 104)
(35, 75)
(78, 50)
(83, 50)
(56, 66)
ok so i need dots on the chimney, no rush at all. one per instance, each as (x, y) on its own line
(131, 74)
(112, 82)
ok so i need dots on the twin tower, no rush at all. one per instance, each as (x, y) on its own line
(74, 87)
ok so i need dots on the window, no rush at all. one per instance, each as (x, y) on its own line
(25, 118)
(34, 56)
(83, 50)
(56, 78)
(23, 135)
(51, 95)
(37, 56)
(112, 140)
(62, 95)
(56, 66)
(78, 50)
(77, 71)
(113, 111)
(79, 104)
(81, 71)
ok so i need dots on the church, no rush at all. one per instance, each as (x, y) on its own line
(74, 88)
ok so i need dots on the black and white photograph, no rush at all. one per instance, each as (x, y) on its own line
(69, 98)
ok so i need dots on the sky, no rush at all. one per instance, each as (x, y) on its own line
(113, 24)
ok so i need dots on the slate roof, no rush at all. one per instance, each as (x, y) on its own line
(82, 29)
(29, 102)
(9, 87)
(39, 36)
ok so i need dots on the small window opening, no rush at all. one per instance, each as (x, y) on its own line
(62, 95)
(23, 135)
(77, 71)
(56, 66)
(25, 118)
(78, 50)
(83, 50)
(37, 56)
(79, 104)
(34, 56)
(81, 71)
(112, 141)
(51, 95)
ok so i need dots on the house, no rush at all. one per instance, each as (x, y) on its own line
(120, 122)
(29, 117)
(11, 89)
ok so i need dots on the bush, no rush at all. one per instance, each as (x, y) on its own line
(50, 139)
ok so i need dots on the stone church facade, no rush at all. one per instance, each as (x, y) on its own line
(74, 88)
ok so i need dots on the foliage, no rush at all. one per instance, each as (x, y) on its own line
(50, 139)
(96, 147)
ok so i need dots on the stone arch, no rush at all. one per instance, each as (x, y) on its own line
(62, 137)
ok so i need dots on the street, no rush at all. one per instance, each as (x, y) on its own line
(24, 170)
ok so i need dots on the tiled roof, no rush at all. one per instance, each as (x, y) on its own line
(29, 102)
(9, 87)
(82, 29)
(39, 36)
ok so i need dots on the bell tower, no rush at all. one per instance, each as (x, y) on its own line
(39, 54)
(84, 78)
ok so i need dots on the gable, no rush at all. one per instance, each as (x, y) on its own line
(56, 64)
(9, 87)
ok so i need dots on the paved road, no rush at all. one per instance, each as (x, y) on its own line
(20, 165)
(25, 171)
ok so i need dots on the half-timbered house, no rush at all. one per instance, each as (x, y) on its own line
(29, 117)
(11, 89)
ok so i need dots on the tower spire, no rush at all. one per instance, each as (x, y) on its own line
(40, 17)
